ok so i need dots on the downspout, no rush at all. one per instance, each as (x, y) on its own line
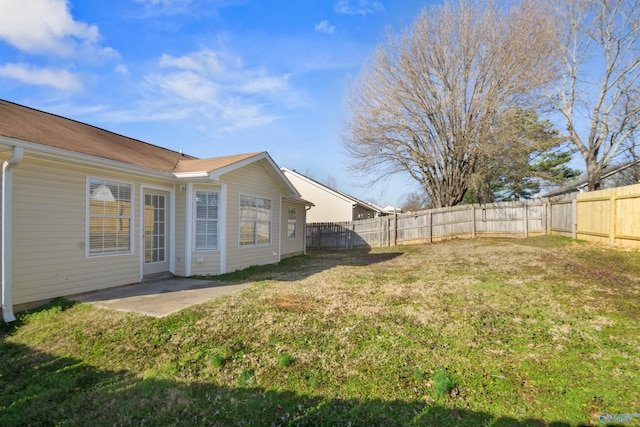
(280, 232)
(188, 240)
(222, 228)
(7, 228)
(304, 236)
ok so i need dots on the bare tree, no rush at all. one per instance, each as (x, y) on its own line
(415, 201)
(331, 182)
(597, 94)
(426, 102)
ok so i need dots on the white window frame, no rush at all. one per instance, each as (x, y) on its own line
(106, 181)
(255, 221)
(292, 222)
(207, 220)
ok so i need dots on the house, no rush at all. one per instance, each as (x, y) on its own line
(330, 205)
(85, 209)
(613, 176)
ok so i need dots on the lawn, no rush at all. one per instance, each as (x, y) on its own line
(538, 331)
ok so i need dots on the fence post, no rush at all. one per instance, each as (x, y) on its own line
(473, 221)
(547, 216)
(574, 215)
(612, 217)
(352, 238)
(395, 227)
(430, 227)
(525, 216)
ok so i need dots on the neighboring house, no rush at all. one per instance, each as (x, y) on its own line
(86, 209)
(612, 177)
(330, 205)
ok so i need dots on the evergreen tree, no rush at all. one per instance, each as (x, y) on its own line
(525, 153)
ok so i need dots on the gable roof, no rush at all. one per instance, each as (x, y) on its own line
(186, 166)
(213, 168)
(355, 201)
(581, 184)
(28, 125)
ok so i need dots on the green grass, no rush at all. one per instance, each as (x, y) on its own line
(443, 384)
(527, 332)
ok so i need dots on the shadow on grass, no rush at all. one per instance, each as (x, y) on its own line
(41, 389)
(302, 266)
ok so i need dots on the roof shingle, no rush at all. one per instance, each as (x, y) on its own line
(209, 165)
(28, 124)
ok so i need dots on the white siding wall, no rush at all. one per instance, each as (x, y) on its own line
(252, 180)
(328, 206)
(49, 238)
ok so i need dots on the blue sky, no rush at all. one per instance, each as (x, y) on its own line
(209, 77)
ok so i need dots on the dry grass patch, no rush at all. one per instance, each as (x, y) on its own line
(294, 303)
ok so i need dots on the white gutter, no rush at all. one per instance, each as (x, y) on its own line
(7, 228)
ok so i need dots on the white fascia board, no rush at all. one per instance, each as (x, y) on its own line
(192, 175)
(67, 156)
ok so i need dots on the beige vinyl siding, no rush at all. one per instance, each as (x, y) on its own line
(251, 180)
(360, 212)
(210, 263)
(49, 232)
(292, 247)
(180, 230)
(49, 235)
(329, 207)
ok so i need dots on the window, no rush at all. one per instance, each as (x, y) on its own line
(255, 221)
(109, 217)
(291, 223)
(206, 220)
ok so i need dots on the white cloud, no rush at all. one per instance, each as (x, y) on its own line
(122, 69)
(212, 74)
(204, 61)
(56, 78)
(240, 115)
(148, 113)
(358, 7)
(186, 85)
(216, 86)
(325, 27)
(46, 26)
(265, 84)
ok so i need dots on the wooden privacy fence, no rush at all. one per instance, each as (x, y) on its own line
(507, 219)
(610, 216)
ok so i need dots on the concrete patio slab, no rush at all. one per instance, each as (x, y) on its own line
(159, 298)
